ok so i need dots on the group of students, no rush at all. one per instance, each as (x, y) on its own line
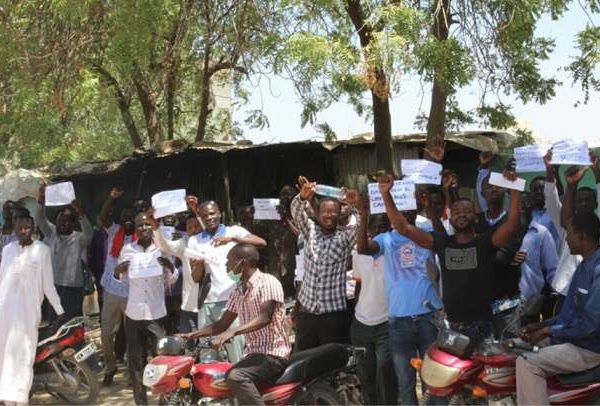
(464, 259)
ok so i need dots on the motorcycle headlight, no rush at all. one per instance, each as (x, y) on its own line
(437, 375)
(153, 374)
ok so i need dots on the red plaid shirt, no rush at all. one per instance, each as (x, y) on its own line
(272, 338)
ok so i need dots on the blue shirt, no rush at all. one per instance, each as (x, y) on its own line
(111, 284)
(481, 175)
(578, 322)
(543, 217)
(406, 281)
(541, 263)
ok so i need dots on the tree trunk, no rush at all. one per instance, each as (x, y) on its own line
(382, 128)
(170, 99)
(436, 122)
(205, 97)
(382, 120)
(123, 102)
(148, 101)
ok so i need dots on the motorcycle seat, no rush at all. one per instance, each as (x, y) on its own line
(580, 378)
(309, 364)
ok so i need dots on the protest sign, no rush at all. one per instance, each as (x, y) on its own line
(169, 202)
(266, 209)
(144, 265)
(403, 193)
(421, 171)
(59, 194)
(530, 158)
(497, 179)
(570, 152)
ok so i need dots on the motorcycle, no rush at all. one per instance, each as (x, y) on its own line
(60, 366)
(324, 375)
(453, 369)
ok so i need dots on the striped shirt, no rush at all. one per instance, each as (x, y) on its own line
(326, 259)
(271, 339)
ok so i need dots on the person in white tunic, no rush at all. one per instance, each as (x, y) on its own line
(25, 278)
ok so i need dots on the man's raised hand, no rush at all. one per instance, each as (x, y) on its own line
(436, 151)
(574, 174)
(307, 188)
(116, 192)
(385, 182)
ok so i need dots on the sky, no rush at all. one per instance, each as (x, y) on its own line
(557, 119)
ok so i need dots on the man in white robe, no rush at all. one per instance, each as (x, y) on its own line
(25, 278)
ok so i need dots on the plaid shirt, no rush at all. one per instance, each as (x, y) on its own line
(326, 259)
(272, 339)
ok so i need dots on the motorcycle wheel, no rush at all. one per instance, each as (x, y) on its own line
(321, 393)
(87, 383)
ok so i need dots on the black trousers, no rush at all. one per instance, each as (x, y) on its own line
(313, 330)
(137, 332)
(173, 304)
(253, 368)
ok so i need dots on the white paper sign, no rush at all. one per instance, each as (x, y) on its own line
(403, 193)
(60, 194)
(570, 152)
(497, 179)
(169, 202)
(421, 171)
(530, 158)
(299, 274)
(189, 253)
(266, 209)
(144, 265)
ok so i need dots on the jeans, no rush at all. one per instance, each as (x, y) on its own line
(210, 313)
(188, 321)
(378, 381)
(409, 337)
(137, 332)
(253, 368)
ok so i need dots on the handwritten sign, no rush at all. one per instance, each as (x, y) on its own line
(266, 209)
(169, 202)
(403, 193)
(421, 171)
(570, 152)
(144, 265)
(60, 194)
(498, 179)
(530, 158)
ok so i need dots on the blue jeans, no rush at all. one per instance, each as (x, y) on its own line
(375, 368)
(71, 299)
(188, 321)
(409, 337)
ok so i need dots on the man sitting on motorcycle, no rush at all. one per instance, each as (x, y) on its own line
(574, 335)
(258, 301)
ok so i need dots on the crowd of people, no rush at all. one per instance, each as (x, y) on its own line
(454, 257)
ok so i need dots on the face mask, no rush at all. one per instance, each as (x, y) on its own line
(235, 277)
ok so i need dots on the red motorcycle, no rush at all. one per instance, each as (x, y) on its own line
(324, 375)
(61, 364)
(452, 369)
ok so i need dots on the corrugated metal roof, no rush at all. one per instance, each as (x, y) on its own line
(479, 140)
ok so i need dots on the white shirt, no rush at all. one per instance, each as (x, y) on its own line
(567, 263)
(146, 299)
(372, 308)
(189, 291)
(221, 284)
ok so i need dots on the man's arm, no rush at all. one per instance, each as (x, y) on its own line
(216, 328)
(573, 175)
(40, 214)
(87, 232)
(48, 282)
(307, 192)
(264, 318)
(104, 216)
(548, 256)
(397, 219)
(364, 245)
(510, 228)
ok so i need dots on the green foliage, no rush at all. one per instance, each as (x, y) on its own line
(585, 69)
